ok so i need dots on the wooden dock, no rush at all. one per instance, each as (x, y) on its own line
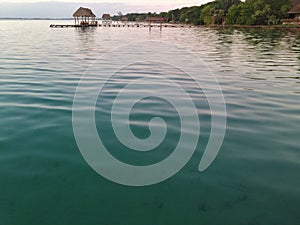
(84, 17)
(69, 25)
(122, 25)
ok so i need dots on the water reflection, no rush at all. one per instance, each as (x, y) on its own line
(258, 164)
(85, 39)
(85, 33)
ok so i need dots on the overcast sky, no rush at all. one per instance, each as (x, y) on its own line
(65, 8)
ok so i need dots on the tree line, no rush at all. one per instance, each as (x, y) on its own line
(231, 12)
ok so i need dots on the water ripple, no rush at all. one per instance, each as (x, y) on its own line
(257, 171)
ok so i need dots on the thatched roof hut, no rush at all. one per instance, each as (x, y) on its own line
(124, 19)
(106, 16)
(295, 10)
(85, 14)
(295, 2)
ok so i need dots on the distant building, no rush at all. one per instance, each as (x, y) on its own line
(139, 19)
(84, 17)
(294, 14)
(106, 19)
(295, 11)
(124, 19)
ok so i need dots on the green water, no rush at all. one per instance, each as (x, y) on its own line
(44, 179)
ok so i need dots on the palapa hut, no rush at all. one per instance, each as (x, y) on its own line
(294, 13)
(124, 19)
(106, 19)
(106, 16)
(84, 17)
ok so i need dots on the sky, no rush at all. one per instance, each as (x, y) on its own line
(65, 8)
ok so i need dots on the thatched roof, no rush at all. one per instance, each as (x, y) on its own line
(83, 12)
(295, 10)
(295, 2)
(106, 17)
(296, 7)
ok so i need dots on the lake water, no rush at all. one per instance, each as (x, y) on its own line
(44, 178)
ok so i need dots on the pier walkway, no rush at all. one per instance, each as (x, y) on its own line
(136, 25)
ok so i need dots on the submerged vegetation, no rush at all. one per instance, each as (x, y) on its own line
(249, 12)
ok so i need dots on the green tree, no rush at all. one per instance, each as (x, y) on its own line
(279, 8)
(234, 13)
(258, 12)
(283, 12)
(250, 12)
(194, 15)
(226, 4)
(207, 13)
(217, 10)
(261, 14)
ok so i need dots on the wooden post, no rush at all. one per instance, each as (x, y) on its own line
(213, 20)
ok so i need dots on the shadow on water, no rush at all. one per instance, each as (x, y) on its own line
(259, 50)
(259, 40)
(257, 37)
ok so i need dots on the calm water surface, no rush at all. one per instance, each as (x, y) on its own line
(45, 180)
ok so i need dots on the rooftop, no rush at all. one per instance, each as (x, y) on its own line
(84, 12)
(296, 7)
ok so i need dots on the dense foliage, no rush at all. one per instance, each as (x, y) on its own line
(258, 12)
(249, 12)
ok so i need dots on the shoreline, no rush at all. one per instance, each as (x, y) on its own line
(186, 25)
(266, 27)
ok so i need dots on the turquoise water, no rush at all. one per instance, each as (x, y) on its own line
(44, 179)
